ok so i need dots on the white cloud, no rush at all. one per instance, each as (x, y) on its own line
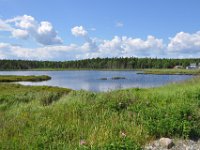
(116, 47)
(25, 26)
(46, 34)
(18, 33)
(79, 31)
(2, 56)
(54, 52)
(24, 22)
(51, 48)
(185, 43)
(4, 26)
(119, 24)
(127, 46)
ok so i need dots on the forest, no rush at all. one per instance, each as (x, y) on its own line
(98, 63)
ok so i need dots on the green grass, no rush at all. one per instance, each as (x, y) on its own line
(14, 78)
(170, 71)
(57, 118)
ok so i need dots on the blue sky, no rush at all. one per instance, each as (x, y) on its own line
(78, 29)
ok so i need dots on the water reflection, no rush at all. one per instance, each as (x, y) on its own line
(90, 80)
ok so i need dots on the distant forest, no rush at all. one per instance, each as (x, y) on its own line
(97, 63)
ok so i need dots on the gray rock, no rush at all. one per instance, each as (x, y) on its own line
(179, 144)
(166, 143)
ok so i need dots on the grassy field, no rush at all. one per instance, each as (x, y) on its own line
(14, 78)
(170, 71)
(57, 118)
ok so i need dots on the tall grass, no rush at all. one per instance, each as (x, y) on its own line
(123, 119)
(171, 71)
(14, 78)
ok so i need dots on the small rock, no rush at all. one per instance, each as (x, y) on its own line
(166, 143)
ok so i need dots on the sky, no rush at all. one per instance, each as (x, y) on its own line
(79, 29)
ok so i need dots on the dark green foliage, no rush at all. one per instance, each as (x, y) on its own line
(97, 63)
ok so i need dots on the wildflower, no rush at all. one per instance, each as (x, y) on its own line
(82, 142)
(123, 134)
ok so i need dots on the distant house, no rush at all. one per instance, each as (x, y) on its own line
(178, 67)
(193, 66)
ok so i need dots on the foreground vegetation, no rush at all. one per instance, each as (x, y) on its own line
(170, 71)
(15, 78)
(97, 63)
(57, 118)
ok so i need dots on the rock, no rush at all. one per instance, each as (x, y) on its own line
(166, 143)
(179, 144)
(103, 78)
(117, 78)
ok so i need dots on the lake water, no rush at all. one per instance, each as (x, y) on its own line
(90, 80)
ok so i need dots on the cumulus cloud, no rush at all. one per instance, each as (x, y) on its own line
(116, 47)
(46, 34)
(120, 46)
(79, 31)
(18, 33)
(26, 26)
(127, 46)
(4, 26)
(51, 47)
(54, 52)
(24, 22)
(185, 43)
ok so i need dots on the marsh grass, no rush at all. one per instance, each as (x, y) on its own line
(123, 119)
(170, 71)
(14, 78)
(15, 94)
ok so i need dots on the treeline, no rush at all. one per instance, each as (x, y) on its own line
(98, 63)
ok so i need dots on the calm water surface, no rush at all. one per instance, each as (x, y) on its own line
(90, 80)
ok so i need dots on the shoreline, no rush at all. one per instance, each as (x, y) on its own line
(169, 71)
(138, 71)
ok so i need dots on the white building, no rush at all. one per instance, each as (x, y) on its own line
(193, 66)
